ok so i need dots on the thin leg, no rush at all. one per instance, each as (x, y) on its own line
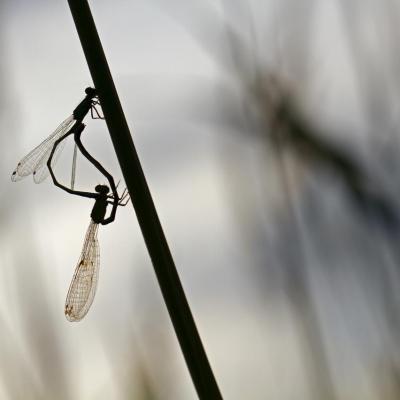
(93, 110)
(121, 201)
(125, 195)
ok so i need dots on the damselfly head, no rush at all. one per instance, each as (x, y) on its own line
(90, 91)
(102, 189)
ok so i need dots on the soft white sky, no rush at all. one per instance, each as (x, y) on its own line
(169, 84)
(47, 76)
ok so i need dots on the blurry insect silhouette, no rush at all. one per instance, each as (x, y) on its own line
(35, 161)
(84, 282)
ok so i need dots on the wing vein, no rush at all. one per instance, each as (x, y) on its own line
(84, 282)
(35, 161)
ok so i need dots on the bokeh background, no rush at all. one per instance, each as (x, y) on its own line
(268, 131)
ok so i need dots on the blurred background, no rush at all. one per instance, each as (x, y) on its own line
(268, 131)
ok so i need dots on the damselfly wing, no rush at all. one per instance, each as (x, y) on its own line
(35, 162)
(84, 282)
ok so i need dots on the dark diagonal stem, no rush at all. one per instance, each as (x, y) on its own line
(174, 296)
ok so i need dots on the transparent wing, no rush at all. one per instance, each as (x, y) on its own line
(35, 161)
(41, 172)
(84, 282)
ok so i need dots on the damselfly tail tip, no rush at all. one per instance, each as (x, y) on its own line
(70, 315)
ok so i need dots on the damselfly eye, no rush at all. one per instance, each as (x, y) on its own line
(90, 91)
(102, 189)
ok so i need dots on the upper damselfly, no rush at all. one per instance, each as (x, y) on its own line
(35, 161)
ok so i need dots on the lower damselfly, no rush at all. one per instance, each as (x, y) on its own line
(83, 286)
(34, 163)
(84, 282)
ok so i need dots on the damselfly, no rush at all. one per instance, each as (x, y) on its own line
(84, 282)
(35, 161)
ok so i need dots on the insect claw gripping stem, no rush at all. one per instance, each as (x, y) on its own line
(94, 110)
(124, 196)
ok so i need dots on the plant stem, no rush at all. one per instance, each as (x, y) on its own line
(168, 278)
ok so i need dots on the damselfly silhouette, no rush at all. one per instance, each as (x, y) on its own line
(84, 282)
(35, 162)
(83, 286)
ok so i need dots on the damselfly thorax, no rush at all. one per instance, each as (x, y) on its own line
(100, 206)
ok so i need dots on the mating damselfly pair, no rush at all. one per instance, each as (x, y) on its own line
(40, 162)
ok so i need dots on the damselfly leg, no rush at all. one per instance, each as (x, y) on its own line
(94, 112)
(124, 198)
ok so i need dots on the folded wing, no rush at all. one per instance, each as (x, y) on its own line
(35, 162)
(84, 282)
